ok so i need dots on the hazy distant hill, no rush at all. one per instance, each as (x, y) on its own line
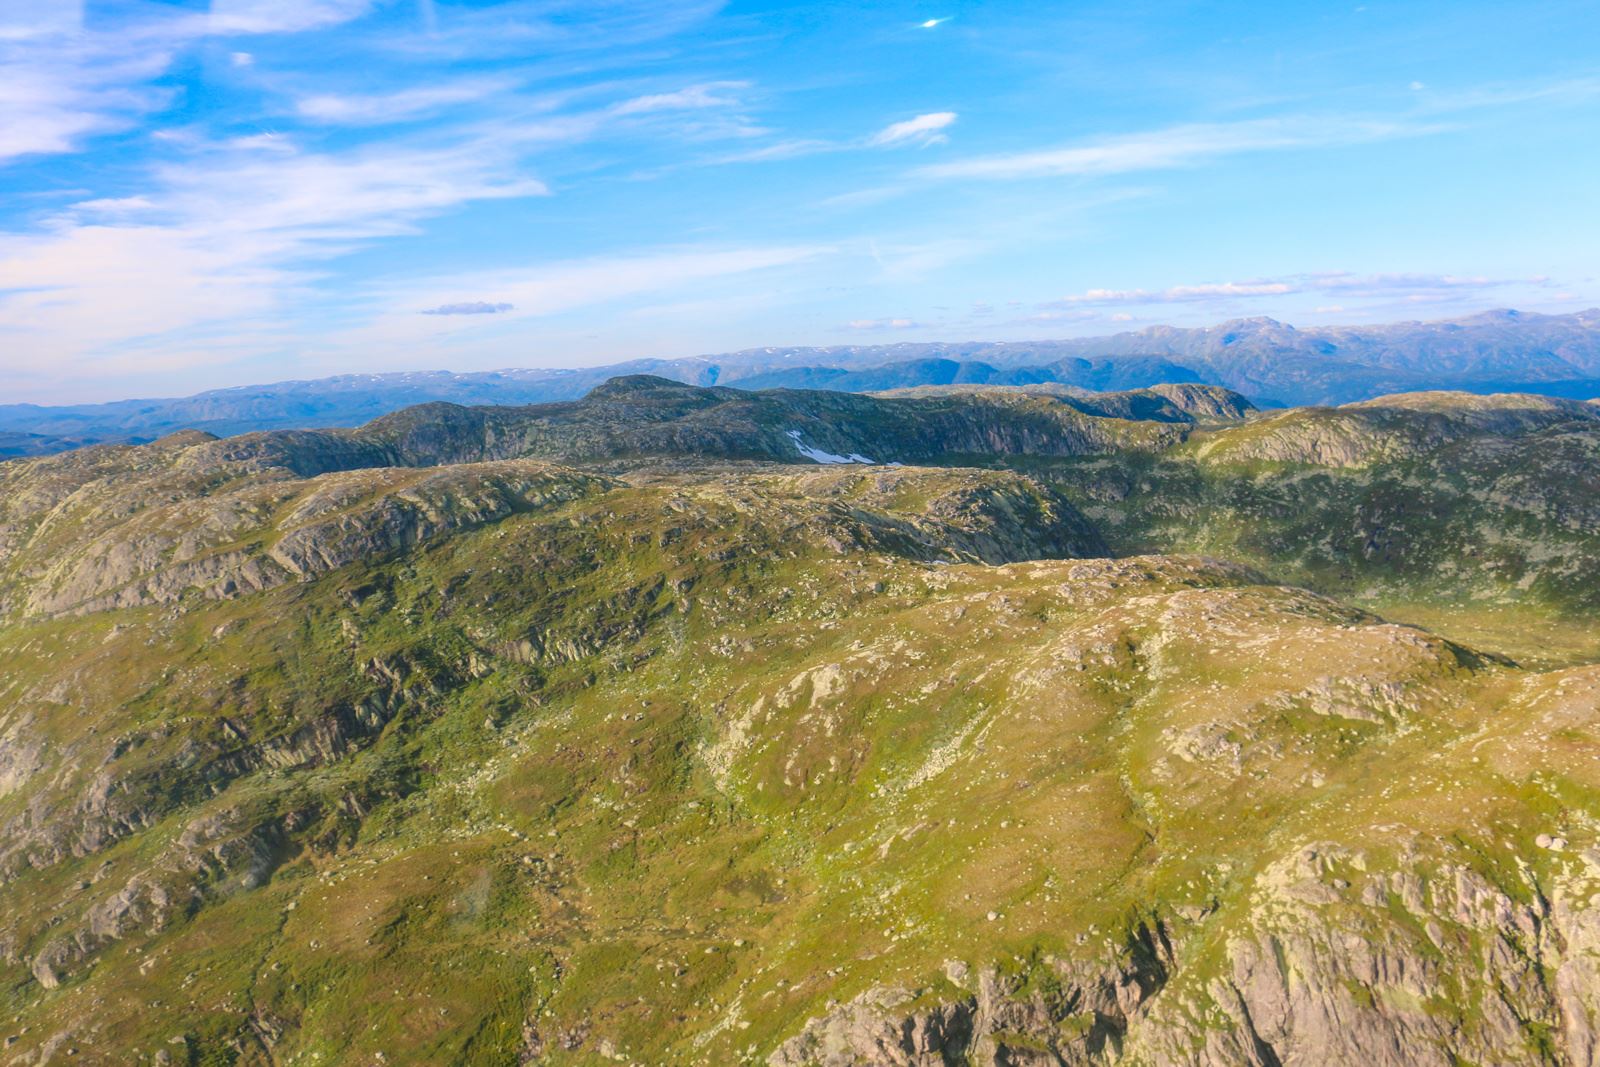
(345, 400)
(1269, 361)
(1130, 372)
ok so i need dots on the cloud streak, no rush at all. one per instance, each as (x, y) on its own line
(64, 80)
(708, 95)
(58, 91)
(922, 130)
(1172, 147)
(869, 325)
(229, 17)
(226, 240)
(556, 287)
(473, 307)
(1328, 283)
(407, 104)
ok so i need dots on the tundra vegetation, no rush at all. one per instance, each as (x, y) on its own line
(1134, 728)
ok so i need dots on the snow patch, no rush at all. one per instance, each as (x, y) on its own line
(825, 457)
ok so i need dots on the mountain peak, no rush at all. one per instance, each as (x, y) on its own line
(634, 385)
(1258, 322)
(1498, 315)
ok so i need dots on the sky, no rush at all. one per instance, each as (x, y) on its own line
(197, 194)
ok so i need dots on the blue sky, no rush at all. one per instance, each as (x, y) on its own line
(195, 194)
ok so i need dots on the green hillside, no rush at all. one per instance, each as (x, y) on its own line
(619, 731)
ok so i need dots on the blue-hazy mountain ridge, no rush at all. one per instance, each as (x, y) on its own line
(1268, 361)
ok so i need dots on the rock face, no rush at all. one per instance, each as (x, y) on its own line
(1396, 427)
(1319, 972)
(1082, 1017)
(1172, 403)
(261, 534)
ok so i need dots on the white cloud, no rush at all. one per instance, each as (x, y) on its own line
(881, 324)
(63, 81)
(551, 288)
(922, 130)
(1176, 146)
(1178, 294)
(22, 20)
(1386, 284)
(1056, 315)
(214, 254)
(1412, 286)
(57, 91)
(115, 205)
(780, 150)
(230, 17)
(1569, 91)
(708, 95)
(473, 307)
(226, 239)
(379, 108)
(515, 26)
(713, 281)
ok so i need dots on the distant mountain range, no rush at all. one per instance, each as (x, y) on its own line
(1270, 362)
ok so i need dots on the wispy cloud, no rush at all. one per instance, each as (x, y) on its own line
(1174, 146)
(922, 130)
(404, 105)
(57, 90)
(64, 80)
(555, 287)
(473, 307)
(778, 150)
(1564, 91)
(1345, 283)
(881, 324)
(217, 248)
(281, 16)
(708, 95)
(1177, 294)
(227, 238)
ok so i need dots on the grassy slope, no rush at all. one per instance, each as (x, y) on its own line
(662, 771)
(1490, 540)
(581, 851)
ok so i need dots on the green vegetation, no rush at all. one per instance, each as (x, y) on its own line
(673, 758)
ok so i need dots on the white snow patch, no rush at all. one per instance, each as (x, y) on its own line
(825, 457)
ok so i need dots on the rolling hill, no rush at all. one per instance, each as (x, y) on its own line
(1144, 729)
